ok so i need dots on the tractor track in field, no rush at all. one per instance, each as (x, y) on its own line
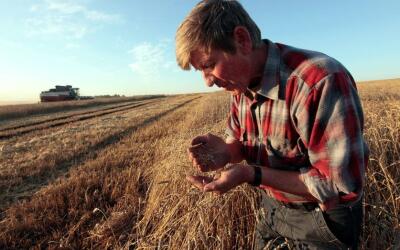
(64, 116)
(33, 183)
(8, 132)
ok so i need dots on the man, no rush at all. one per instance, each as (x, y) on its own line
(295, 118)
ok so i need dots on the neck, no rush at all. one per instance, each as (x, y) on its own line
(259, 59)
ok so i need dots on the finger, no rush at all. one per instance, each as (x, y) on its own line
(215, 186)
(201, 165)
(202, 168)
(199, 181)
(190, 155)
(196, 162)
(204, 179)
(199, 140)
(206, 167)
(195, 182)
(201, 158)
(197, 149)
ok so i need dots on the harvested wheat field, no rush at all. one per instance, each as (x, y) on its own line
(116, 180)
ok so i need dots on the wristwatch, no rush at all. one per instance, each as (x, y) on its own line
(257, 176)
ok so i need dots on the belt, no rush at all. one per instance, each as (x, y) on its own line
(308, 206)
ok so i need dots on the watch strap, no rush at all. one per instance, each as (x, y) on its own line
(257, 176)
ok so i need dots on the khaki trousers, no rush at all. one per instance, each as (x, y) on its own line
(281, 227)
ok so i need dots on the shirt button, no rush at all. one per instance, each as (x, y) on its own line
(317, 209)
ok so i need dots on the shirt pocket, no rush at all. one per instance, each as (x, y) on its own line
(282, 154)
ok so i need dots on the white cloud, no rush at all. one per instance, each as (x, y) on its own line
(34, 8)
(150, 59)
(101, 16)
(56, 25)
(64, 7)
(63, 18)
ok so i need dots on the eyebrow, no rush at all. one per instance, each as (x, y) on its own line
(205, 61)
(200, 65)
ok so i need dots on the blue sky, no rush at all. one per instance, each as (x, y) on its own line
(127, 46)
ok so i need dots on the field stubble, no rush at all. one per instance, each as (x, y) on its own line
(34, 123)
(133, 194)
(20, 112)
(29, 161)
(381, 103)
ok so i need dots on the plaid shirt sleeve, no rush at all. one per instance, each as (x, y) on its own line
(330, 122)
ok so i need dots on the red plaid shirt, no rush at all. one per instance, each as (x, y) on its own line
(307, 117)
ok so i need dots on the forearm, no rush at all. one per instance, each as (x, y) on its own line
(237, 174)
(286, 181)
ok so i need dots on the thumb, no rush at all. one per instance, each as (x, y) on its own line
(201, 139)
(215, 186)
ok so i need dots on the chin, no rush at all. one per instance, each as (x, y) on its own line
(233, 91)
(236, 92)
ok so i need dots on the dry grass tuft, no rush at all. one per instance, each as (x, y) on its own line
(381, 103)
(182, 217)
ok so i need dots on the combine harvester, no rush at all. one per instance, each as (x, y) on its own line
(60, 93)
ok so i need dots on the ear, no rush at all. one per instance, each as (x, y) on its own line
(241, 37)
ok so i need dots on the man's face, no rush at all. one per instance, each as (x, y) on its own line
(228, 71)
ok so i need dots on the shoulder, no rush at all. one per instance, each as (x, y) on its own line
(307, 66)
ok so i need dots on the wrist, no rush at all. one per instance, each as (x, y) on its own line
(255, 178)
(248, 174)
(228, 154)
(234, 151)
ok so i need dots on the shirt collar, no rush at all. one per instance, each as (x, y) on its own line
(270, 82)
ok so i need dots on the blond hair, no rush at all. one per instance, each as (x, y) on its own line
(210, 25)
